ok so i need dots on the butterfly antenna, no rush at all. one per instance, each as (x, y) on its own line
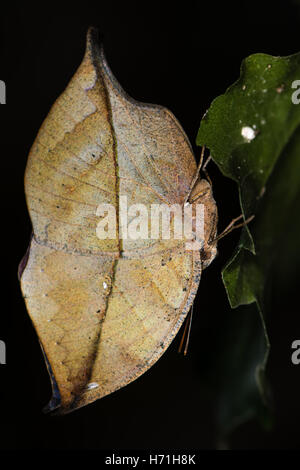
(205, 170)
(196, 175)
(182, 337)
(186, 332)
(189, 331)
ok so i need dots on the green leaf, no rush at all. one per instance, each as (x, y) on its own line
(253, 133)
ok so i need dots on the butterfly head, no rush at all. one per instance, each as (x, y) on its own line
(202, 194)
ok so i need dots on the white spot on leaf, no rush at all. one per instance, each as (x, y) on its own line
(280, 89)
(248, 133)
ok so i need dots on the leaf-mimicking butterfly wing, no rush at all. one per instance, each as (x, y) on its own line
(105, 309)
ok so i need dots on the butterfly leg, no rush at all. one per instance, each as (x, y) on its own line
(230, 227)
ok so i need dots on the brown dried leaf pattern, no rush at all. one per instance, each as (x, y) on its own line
(105, 310)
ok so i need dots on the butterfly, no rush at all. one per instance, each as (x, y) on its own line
(106, 308)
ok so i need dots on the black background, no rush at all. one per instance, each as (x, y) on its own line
(181, 57)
